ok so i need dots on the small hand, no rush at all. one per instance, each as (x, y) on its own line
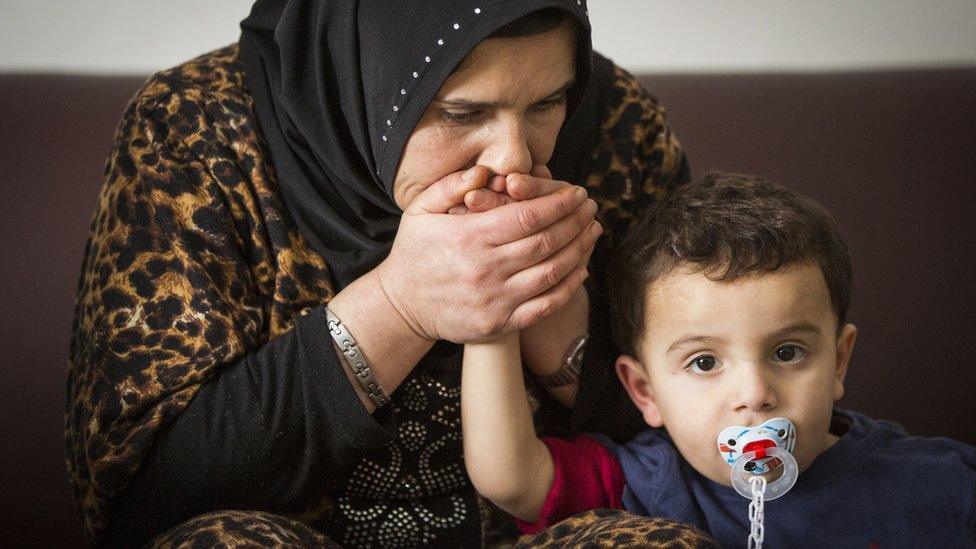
(503, 190)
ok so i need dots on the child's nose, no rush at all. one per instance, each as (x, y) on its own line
(754, 391)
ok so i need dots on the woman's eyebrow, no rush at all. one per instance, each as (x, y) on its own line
(466, 104)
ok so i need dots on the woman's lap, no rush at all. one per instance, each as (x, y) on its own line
(598, 528)
(242, 529)
(616, 528)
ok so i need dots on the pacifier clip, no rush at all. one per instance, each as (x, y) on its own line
(753, 452)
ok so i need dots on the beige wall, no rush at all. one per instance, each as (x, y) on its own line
(643, 35)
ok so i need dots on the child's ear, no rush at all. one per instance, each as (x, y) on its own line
(634, 379)
(845, 346)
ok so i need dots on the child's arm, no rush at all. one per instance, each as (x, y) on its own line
(506, 461)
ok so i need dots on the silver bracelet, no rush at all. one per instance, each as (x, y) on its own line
(355, 360)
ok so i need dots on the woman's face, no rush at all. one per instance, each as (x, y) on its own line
(502, 109)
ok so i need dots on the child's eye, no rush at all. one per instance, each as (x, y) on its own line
(789, 353)
(459, 117)
(702, 364)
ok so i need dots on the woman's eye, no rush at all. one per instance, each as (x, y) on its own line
(789, 353)
(702, 364)
(550, 103)
(459, 117)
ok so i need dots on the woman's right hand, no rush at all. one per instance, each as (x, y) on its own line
(467, 278)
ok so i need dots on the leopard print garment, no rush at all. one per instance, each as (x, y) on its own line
(597, 528)
(618, 529)
(241, 529)
(192, 262)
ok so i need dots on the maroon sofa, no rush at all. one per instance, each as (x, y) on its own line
(892, 154)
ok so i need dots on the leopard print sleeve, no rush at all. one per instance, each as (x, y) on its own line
(199, 340)
(165, 297)
(638, 159)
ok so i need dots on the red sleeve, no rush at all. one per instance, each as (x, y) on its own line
(587, 476)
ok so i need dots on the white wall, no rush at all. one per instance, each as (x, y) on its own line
(730, 35)
(141, 36)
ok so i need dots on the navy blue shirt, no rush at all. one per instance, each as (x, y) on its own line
(875, 487)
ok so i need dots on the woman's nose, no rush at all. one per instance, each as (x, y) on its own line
(753, 389)
(507, 149)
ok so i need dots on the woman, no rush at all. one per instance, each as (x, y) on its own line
(273, 292)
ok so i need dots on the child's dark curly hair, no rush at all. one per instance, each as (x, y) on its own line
(725, 226)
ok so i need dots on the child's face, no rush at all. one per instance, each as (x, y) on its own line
(717, 354)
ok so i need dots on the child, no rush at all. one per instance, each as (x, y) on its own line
(729, 302)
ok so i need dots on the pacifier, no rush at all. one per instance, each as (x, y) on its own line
(757, 450)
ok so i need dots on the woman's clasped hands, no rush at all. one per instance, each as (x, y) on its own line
(518, 255)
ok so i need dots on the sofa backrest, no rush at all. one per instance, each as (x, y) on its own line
(55, 132)
(893, 156)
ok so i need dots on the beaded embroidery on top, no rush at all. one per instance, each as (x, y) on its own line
(412, 495)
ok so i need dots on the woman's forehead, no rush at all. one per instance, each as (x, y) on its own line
(549, 41)
(536, 64)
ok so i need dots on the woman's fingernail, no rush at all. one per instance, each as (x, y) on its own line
(468, 174)
(580, 193)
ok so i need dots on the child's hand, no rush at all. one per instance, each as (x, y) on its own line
(493, 195)
(515, 187)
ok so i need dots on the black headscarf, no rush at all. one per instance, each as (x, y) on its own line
(339, 85)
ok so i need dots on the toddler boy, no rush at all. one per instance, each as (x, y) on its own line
(729, 302)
